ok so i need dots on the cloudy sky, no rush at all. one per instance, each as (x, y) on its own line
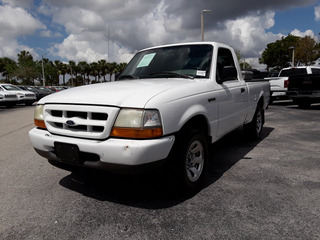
(90, 30)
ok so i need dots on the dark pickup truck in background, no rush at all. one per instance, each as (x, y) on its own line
(304, 90)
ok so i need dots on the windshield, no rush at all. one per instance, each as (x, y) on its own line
(186, 61)
(11, 88)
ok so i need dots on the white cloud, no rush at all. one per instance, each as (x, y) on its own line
(88, 30)
(16, 22)
(77, 20)
(49, 34)
(45, 10)
(19, 3)
(248, 34)
(309, 33)
(10, 47)
(317, 13)
(254, 63)
(73, 48)
(136, 24)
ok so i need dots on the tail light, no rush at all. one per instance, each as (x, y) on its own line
(286, 83)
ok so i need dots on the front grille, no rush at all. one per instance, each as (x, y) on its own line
(83, 121)
(11, 96)
(30, 95)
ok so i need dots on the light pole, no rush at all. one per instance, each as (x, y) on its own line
(292, 48)
(43, 78)
(108, 43)
(202, 32)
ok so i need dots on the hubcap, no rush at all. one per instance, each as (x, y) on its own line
(195, 161)
(259, 122)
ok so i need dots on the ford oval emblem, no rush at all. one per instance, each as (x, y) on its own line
(70, 123)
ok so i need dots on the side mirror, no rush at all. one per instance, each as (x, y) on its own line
(228, 73)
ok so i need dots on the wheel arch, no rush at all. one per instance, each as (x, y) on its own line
(200, 122)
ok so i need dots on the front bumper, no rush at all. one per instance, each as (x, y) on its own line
(106, 153)
(304, 94)
(22, 100)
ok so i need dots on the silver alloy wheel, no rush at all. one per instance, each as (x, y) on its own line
(259, 122)
(195, 160)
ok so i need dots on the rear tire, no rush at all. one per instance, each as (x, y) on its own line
(254, 128)
(304, 104)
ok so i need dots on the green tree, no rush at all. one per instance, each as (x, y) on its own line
(278, 54)
(112, 68)
(62, 69)
(121, 67)
(84, 69)
(7, 68)
(72, 69)
(51, 73)
(94, 71)
(243, 64)
(26, 68)
(307, 51)
(103, 68)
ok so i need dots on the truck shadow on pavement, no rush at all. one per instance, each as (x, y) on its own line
(153, 191)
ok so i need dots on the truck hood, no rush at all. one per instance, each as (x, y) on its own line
(132, 93)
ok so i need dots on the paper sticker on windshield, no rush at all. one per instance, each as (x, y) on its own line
(146, 60)
(201, 73)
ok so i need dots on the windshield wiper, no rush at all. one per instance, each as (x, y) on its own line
(172, 74)
(127, 77)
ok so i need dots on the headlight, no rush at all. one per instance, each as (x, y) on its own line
(137, 123)
(20, 95)
(38, 117)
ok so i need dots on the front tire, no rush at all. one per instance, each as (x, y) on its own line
(191, 160)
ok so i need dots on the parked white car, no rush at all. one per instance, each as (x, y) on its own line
(167, 106)
(8, 99)
(25, 97)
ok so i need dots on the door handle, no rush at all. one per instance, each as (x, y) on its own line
(243, 90)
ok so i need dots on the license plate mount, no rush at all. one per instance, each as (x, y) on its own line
(67, 152)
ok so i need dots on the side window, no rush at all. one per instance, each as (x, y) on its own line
(315, 70)
(224, 59)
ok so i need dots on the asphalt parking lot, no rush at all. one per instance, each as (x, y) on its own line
(269, 189)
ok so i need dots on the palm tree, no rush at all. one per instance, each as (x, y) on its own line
(121, 67)
(58, 65)
(94, 70)
(83, 69)
(111, 69)
(64, 71)
(72, 70)
(103, 68)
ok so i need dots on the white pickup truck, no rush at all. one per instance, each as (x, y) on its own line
(279, 85)
(167, 106)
